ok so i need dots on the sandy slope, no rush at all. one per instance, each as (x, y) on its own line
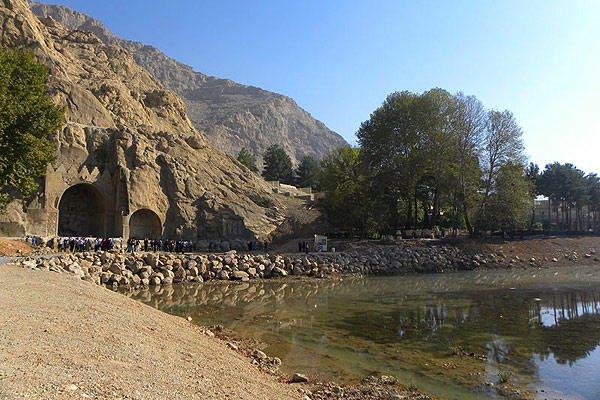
(11, 247)
(63, 338)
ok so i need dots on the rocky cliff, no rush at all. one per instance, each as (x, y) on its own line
(128, 146)
(231, 115)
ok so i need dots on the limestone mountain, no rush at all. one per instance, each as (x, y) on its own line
(231, 115)
(129, 159)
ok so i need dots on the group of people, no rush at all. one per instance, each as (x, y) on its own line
(254, 245)
(303, 247)
(74, 244)
(177, 246)
(82, 244)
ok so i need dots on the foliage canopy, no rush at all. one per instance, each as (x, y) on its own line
(248, 159)
(437, 159)
(27, 118)
(307, 173)
(277, 165)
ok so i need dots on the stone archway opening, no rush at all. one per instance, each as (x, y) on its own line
(145, 224)
(81, 212)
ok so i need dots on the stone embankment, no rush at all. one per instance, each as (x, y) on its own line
(113, 269)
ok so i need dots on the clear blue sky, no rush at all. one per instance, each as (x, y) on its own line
(339, 60)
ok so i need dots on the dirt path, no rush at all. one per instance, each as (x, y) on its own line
(63, 338)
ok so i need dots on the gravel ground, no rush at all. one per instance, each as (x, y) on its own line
(63, 338)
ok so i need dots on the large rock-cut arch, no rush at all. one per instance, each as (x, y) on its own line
(81, 211)
(145, 224)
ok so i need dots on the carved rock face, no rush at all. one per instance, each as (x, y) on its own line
(131, 141)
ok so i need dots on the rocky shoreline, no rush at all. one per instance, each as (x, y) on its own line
(116, 270)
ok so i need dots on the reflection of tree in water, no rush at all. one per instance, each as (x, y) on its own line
(576, 329)
(509, 327)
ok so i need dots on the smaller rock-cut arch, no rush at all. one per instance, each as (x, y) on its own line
(145, 224)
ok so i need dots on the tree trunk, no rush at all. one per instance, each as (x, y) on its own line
(393, 210)
(436, 208)
(409, 213)
(416, 208)
(549, 214)
(467, 222)
(532, 216)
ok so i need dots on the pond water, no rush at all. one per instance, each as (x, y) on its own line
(475, 335)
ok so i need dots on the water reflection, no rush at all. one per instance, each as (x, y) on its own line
(452, 335)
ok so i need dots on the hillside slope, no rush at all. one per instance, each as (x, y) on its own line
(231, 115)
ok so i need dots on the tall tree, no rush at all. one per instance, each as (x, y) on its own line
(502, 146)
(468, 125)
(345, 187)
(438, 108)
(509, 204)
(308, 172)
(565, 186)
(593, 198)
(248, 159)
(392, 146)
(533, 175)
(277, 165)
(27, 118)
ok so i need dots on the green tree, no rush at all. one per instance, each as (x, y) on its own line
(436, 159)
(502, 146)
(27, 118)
(508, 206)
(468, 125)
(392, 147)
(439, 145)
(533, 174)
(566, 187)
(593, 198)
(422, 149)
(345, 186)
(307, 173)
(248, 159)
(277, 165)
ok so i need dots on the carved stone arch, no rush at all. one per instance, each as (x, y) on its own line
(145, 224)
(82, 211)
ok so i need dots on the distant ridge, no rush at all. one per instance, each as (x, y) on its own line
(231, 115)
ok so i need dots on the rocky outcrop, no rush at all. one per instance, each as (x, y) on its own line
(231, 115)
(127, 146)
